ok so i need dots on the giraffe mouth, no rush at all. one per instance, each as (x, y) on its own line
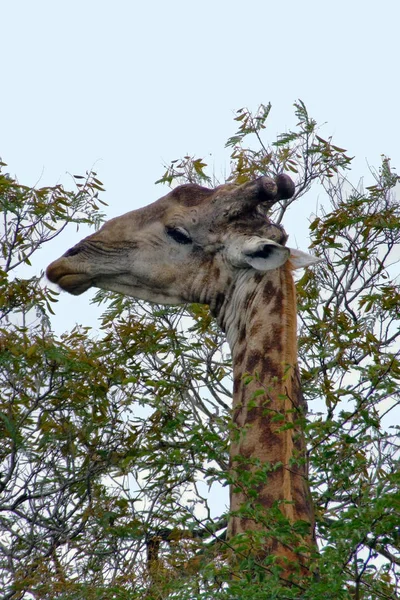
(74, 283)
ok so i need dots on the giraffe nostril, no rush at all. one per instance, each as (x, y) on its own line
(73, 251)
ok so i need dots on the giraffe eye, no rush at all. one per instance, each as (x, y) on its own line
(179, 235)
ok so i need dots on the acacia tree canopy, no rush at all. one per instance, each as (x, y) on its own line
(113, 447)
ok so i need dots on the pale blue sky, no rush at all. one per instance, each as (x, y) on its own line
(125, 86)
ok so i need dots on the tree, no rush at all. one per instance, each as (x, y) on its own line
(111, 446)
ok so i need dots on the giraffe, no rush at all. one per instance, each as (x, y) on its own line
(217, 247)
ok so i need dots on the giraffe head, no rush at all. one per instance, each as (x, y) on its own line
(188, 246)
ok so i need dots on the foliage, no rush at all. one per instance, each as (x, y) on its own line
(114, 449)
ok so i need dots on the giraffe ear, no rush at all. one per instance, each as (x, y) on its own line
(299, 259)
(263, 254)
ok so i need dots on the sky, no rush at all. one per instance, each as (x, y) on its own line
(124, 87)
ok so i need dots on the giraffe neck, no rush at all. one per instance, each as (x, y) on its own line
(260, 322)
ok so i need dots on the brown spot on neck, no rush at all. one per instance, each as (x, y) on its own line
(217, 303)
